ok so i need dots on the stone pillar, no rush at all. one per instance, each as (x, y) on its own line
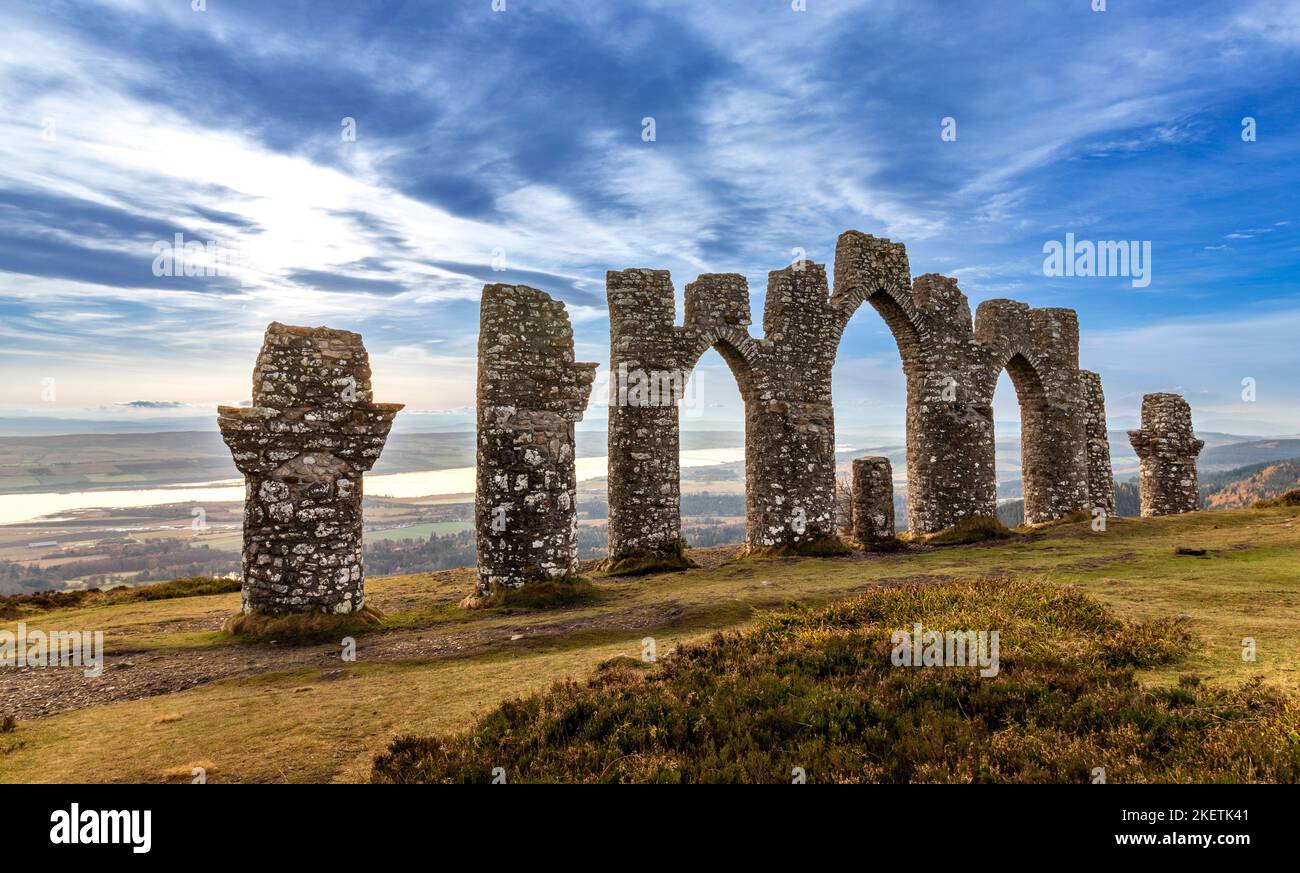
(303, 446)
(647, 376)
(1166, 447)
(789, 420)
(530, 394)
(1053, 432)
(1101, 481)
(873, 500)
(950, 447)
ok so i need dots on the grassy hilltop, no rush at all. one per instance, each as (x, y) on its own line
(1113, 648)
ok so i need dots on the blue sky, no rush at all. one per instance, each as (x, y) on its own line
(517, 135)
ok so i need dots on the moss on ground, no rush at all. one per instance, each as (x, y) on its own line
(821, 547)
(1290, 498)
(971, 529)
(303, 627)
(672, 561)
(23, 605)
(543, 594)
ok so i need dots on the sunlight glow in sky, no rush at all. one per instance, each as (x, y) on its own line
(516, 136)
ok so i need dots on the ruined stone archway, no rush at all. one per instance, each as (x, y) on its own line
(1039, 349)
(648, 348)
(951, 362)
(949, 430)
(1036, 477)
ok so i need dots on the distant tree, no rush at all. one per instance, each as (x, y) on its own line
(843, 510)
(1011, 512)
(1127, 499)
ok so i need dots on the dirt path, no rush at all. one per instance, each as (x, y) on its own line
(29, 693)
(32, 693)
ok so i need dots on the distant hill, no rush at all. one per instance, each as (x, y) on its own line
(1242, 487)
(1229, 457)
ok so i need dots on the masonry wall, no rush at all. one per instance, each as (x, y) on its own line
(530, 394)
(1167, 448)
(1039, 349)
(790, 422)
(303, 446)
(1101, 480)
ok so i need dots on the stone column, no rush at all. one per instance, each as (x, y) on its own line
(1166, 447)
(303, 446)
(950, 448)
(647, 376)
(1053, 427)
(530, 394)
(873, 500)
(1101, 481)
(789, 419)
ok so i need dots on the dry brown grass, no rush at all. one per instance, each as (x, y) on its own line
(185, 773)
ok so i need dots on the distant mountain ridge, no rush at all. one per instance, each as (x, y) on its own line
(1244, 486)
(1235, 455)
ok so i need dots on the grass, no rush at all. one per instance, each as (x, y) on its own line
(821, 547)
(21, 605)
(192, 587)
(423, 530)
(815, 691)
(1290, 498)
(885, 545)
(303, 627)
(539, 595)
(672, 561)
(970, 529)
(260, 727)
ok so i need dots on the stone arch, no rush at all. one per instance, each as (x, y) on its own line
(909, 335)
(644, 482)
(908, 330)
(737, 348)
(1039, 349)
(785, 382)
(951, 362)
(1032, 398)
(949, 426)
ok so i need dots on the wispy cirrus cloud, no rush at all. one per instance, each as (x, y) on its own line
(508, 147)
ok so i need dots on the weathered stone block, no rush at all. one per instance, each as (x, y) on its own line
(1101, 480)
